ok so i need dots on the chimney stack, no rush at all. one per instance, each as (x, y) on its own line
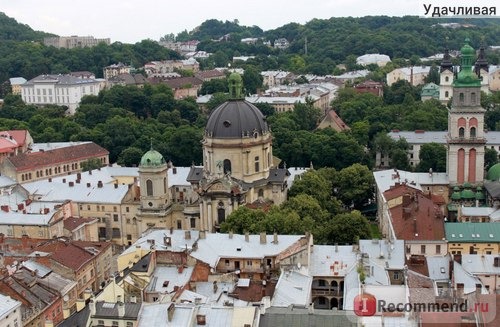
(203, 235)
(263, 238)
(230, 234)
(187, 235)
(247, 237)
(275, 238)
(99, 184)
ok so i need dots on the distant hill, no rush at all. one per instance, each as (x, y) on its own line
(332, 40)
(10, 29)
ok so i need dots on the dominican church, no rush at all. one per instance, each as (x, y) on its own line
(237, 170)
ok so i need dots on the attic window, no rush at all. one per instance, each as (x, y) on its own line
(226, 123)
(491, 235)
(460, 235)
(452, 235)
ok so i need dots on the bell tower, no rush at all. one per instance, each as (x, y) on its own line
(446, 76)
(466, 138)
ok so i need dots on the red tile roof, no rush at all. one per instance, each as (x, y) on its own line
(208, 74)
(66, 253)
(19, 136)
(29, 161)
(416, 217)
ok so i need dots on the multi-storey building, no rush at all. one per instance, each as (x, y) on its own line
(61, 90)
(70, 42)
(33, 166)
(116, 69)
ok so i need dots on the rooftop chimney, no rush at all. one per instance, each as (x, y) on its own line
(187, 235)
(121, 309)
(263, 238)
(275, 238)
(78, 175)
(247, 237)
(64, 180)
(71, 184)
(170, 311)
(201, 320)
(230, 234)
(88, 184)
(203, 234)
(99, 184)
(116, 185)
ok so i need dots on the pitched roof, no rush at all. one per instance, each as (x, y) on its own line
(416, 217)
(207, 74)
(66, 253)
(472, 232)
(73, 223)
(110, 310)
(28, 161)
(178, 83)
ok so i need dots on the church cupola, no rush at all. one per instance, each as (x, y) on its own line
(153, 181)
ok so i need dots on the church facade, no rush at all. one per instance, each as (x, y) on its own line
(238, 164)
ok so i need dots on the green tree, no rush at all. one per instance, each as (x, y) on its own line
(313, 184)
(354, 185)
(91, 164)
(347, 228)
(490, 158)
(130, 157)
(252, 80)
(432, 155)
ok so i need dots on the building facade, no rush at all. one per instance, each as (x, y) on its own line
(61, 90)
(238, 163)
(466, 139)
(70, 42)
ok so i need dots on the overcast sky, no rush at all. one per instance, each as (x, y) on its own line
(130, 21)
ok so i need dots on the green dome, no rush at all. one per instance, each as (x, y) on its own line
(480, 195)
(456, 196)
(467, 49)
(467, 185)
(468, 195)
(456, 189)
(494, 173)
(152, 158)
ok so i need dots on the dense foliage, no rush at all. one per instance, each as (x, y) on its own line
(320, 202)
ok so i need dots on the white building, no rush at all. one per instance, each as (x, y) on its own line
(61, 90)
(70, 42)
(10, 312)
(414, 75)
(373, 58)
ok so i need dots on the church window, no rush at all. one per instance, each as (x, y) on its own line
(473, 98)
(164, 185)
(473, 132)
(227, 166)
(461, 132)
(149, 187)
(221, 213)
(257, 166)
(261, 193)
(446, 94)
(461, 98)
(447, 78)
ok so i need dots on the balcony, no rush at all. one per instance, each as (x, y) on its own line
(327, 291)
(467, 140)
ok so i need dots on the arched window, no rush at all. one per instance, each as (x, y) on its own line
(164, 185)
(221, 213)
(461, 97)
(227, 166)
(149, 187)
(446, 94)
(473, 98)
(447, 78)
(461, 132)
(257, 166)
(473, 132)
(261, 193)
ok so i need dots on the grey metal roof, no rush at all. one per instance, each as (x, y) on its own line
(60, 80)
(235, 119)
(298, 317)
(106, 309)
(195, 174)
(79, 319)
(493, 188)
(277, 175)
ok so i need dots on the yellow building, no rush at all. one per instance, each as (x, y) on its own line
(237, 161)
(473, 238)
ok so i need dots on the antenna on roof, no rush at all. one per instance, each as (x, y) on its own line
(151, 140)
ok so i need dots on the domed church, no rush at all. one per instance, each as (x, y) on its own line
(238, 164)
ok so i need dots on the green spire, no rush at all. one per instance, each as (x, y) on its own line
(466, 77)
(235, 86)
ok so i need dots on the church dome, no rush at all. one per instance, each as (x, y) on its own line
(152, 158)
(494, 173)
(236, 119)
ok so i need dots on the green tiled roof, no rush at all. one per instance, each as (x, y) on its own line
(472, 232)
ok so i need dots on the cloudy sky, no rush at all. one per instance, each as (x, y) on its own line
(130, 21)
